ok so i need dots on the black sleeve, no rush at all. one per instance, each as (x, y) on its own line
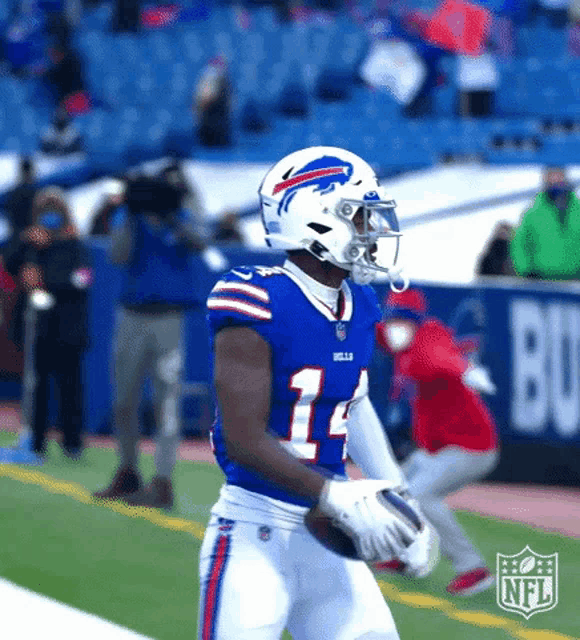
(16, 254)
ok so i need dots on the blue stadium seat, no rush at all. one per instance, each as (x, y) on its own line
(265, 19)
(194, 47)
(14, 92)
(513, 101)
(514, 156)
(515, 126)
(97, 19)
(525, 41)
(445, 100)
(561, 150)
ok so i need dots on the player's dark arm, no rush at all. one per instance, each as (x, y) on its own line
(243, 378)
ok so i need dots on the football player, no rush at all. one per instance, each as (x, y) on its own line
(291, 346)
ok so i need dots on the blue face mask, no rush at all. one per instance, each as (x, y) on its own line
(558, 192)
(51, 220)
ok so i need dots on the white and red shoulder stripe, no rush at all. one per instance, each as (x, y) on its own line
(255, 311)
(251, 290)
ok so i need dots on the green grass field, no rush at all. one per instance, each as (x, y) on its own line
(139, 568)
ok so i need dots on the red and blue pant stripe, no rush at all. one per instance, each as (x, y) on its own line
(214, 580)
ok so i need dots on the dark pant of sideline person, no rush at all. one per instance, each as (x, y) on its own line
(64, 363)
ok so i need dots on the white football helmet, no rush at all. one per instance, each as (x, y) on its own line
(328, 201)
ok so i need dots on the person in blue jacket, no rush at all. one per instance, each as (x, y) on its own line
(152, 239)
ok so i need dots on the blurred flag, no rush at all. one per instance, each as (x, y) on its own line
(459, 26)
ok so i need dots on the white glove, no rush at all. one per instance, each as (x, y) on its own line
(378, 534)
(423, 555)
(478, 379)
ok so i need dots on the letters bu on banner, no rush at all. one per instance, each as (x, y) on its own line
(527, 582)
(395, 66)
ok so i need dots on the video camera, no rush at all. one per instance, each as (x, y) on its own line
(154, 195)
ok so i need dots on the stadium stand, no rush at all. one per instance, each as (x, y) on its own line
(141, 86)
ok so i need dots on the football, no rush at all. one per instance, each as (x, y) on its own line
(322, 527)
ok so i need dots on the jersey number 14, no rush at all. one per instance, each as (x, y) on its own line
(308, 383)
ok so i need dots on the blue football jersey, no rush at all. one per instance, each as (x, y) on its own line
(319, 364)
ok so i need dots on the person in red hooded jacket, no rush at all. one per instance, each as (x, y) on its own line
(455, 434)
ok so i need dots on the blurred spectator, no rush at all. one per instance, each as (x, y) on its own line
(17, 217)
(554, 11)
(227, 230)
(495, 259)
(126, 16)
(477, 81)
(59, 27)
(61, 137)
(455, 434)
(18, 203)
(52, 267)
(212, 104)
(403, 61)
(65, 76)
(113, 198)
(546, 244)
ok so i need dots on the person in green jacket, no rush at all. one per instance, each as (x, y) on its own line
(546, 245)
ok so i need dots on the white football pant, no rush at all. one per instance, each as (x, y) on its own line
(257, 580)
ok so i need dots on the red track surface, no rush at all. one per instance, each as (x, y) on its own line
(550, 508)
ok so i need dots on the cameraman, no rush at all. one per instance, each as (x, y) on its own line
(152, 238)
(53, 270)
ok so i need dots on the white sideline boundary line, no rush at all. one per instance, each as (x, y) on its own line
(25, 615)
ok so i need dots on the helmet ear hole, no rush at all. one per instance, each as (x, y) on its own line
(319, 228)
(318, 249)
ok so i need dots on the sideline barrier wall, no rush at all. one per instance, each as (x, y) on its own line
(528, 334)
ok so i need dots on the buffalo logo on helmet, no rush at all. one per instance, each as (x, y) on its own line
(323, 174)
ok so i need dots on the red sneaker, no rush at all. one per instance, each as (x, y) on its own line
(471, 582)
(392, 566)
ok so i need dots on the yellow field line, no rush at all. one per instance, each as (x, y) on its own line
(393, 593)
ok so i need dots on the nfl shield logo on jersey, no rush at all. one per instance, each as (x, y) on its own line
(264, 533)
(527, 582)
(340, 331)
